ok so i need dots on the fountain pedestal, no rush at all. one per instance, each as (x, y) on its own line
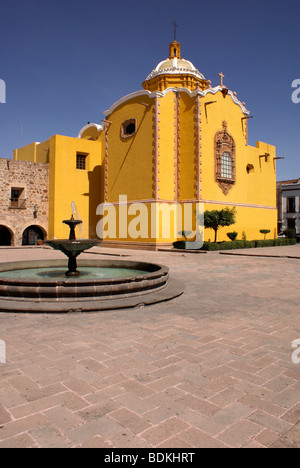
(72, 247)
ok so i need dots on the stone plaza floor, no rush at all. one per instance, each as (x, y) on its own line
(212, 368)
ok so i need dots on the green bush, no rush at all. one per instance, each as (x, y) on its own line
(274, 242)
(264, 232)
(179, 244)
(265, 243)
(249, 244)
(232, 235)
(290, 233)
(240, 244)
(210, 246)
(237, 244)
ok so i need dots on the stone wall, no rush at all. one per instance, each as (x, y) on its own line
(32, 207)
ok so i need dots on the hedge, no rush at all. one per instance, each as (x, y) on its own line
(240, 244)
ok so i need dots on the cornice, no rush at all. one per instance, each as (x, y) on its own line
(154, 94)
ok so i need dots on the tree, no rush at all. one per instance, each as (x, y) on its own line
(219, 218)
(264, 232)
(232, 235)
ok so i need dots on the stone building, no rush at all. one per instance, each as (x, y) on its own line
(24, 195)
(288, 205)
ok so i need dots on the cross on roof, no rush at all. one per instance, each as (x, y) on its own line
(175, 27)
(221, 78)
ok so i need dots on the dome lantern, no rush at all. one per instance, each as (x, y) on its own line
(175, 72)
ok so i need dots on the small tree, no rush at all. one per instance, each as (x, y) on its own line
(264, 232)
(232, 235)
(219, 218)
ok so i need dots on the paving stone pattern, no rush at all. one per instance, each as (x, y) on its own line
(212, 368)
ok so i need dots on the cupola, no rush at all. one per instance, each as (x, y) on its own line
(175, 72)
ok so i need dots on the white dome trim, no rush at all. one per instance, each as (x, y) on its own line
(175, 69)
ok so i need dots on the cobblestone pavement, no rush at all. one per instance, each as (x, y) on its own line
(212, 368)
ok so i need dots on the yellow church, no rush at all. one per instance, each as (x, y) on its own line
(178, 142)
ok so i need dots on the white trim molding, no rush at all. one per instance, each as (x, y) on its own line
(154, 94)
(90, 125)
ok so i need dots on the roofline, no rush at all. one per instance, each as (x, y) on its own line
(154, 94)
(90, 125)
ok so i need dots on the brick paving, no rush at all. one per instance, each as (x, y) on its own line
(212, 368)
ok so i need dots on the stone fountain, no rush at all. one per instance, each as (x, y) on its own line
(45, 286)
(71, 247)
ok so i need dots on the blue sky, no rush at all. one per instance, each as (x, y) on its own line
(66, 62)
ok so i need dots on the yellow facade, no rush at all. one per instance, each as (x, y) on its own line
(68, 184)
(175, 143)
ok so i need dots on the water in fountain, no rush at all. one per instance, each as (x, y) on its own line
(76, 216)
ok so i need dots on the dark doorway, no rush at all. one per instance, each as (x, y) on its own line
(5, 236)
(32, 235)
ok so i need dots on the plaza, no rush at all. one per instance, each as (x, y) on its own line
(211, 368)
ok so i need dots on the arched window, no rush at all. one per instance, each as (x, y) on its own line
(226, 166)
(224, 160)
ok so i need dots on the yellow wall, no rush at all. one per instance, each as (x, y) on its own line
(34, 152)
(166, 148)
(255, 188)
(254, 193)
(68, 184)
(129, 160)
(187, 147)
(131, 169)
(248, 220)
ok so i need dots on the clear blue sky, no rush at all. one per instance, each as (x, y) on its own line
(66, 62)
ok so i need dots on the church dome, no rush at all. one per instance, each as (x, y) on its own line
(175, 72)
(175, 66)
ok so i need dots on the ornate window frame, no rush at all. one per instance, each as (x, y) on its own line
(125, 125)
(224, 143)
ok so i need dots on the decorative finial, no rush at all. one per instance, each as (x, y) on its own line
(175, 27)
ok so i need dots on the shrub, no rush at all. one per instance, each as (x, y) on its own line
(232, 235)
(249, 244)
(240, 244)
(290, 233)
(232, 245)
(179, 244)
(274, 242)
(210, 246)
(265, 232)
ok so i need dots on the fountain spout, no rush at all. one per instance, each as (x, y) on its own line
(72, 223)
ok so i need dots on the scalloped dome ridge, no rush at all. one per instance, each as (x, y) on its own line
(175, 66)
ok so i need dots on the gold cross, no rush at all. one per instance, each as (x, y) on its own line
(221, 78)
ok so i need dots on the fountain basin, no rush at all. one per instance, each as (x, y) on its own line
(72, 247)
(138, 284)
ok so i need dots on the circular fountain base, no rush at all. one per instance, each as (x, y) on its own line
(126, 284)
